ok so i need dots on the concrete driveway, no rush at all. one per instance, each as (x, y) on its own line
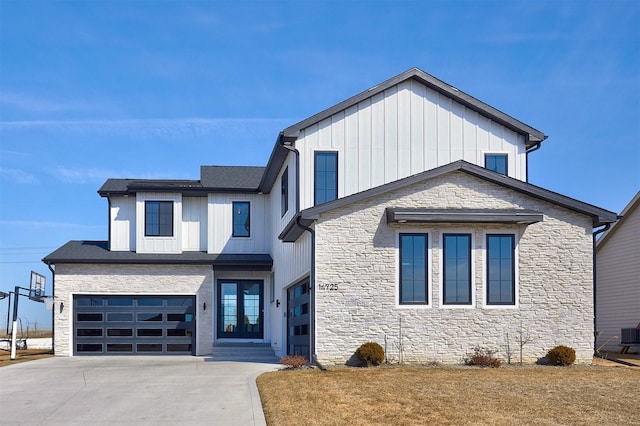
(138, 390)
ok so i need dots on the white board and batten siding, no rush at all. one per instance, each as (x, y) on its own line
(220, 231)
(292, 261)
(194, 224)
(169, 244)
(407, 129)
(122, 215)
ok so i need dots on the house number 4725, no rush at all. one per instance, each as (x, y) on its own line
(328, 287)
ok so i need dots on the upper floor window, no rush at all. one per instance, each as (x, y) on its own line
(456, 269)
(241, 219)
(158, 218)
(413, 269)
(496, 163)
(501, 287)
(325, 177)
(284, 192)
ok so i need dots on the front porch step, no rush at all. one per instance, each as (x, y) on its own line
(244, 352)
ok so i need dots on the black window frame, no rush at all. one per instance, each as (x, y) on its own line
(401, 259)
(495, 156)
(316, 178)
(512, 259)
(246, 225)
(469, 251)
(158, 226)
(284, 192)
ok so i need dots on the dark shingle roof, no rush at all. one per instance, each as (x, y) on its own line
(97, 252)
(212, 178)
(231, 177)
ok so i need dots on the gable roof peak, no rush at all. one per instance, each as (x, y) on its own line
(533, 136)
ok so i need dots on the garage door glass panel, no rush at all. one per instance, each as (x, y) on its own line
(180, 301)
(151, 301)
(123, 317)
(149, 347)
(149, 332)
(178, 347)
(89, 347)
(89, 301)
(120, 301)
(120, 332)
(89, 317)
(89, 332)
(119, 347)
(149, 317)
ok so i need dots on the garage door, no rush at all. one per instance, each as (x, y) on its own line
(298, 319)
(129, 325)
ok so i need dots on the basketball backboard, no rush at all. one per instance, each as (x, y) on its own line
(37, 287)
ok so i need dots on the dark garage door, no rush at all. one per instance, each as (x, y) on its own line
(129, 325)
(298, 319)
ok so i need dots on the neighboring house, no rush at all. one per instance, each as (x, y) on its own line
(618, 278)
(401, 215)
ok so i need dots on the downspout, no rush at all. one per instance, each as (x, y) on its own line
(595, 329)
(109, 223)
(535, 147)
(312, 293)
(53, 309)
(292, 148)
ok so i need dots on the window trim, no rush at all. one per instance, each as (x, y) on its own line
(315, 171)
(233, 219)
(428, 277)
(496, 154)
(472, 270)
(516, 270)
(159, 202)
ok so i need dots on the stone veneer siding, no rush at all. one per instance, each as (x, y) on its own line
(142, 280)
(357, 250)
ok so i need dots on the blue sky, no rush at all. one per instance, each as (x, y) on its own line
(102, 89)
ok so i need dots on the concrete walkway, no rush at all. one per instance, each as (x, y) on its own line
(138, 390)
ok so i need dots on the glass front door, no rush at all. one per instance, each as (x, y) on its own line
(240, 309)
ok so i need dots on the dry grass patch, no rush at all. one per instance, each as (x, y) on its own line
(451, 396)
(23, 334)
(23, 355)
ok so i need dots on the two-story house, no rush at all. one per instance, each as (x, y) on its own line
(402, 215)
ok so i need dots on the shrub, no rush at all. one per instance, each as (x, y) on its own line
(293, 361)
(483, 357)
(561, 355)
(370, 353)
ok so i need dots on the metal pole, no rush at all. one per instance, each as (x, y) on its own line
(14, 329)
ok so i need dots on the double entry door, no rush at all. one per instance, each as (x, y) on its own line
(240, 309)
